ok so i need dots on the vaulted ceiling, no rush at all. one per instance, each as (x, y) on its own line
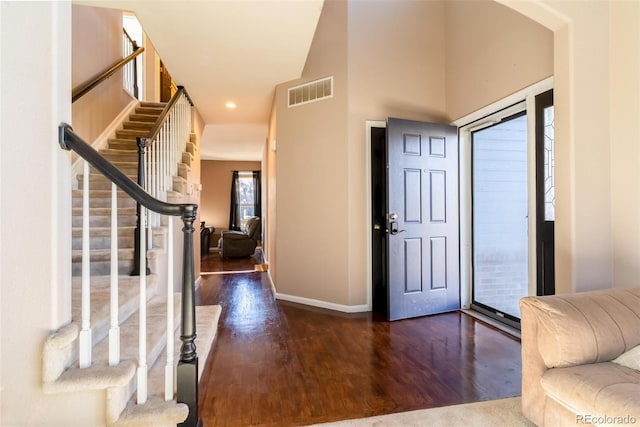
(229, 51)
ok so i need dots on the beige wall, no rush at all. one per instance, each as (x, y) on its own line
(396, 69)
(96, 45)
(625, 135)
(492, 52)
(396, 65)
(216, 189)
(312, 195)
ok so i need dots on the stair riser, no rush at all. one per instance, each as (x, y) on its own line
(104, 202)
(130, 134)
(149, 118)
(121, 157)
(143, 126)
(183, 171)
(186, 159)
(124, 242)
(123, 145)
(104, 221)
(101, 184)
(103, 268)
(149, 111)
(129, 170)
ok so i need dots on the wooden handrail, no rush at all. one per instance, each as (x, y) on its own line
(162, 117)
(85, 87)
(70, 141)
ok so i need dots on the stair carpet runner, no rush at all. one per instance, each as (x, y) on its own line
(61, 348)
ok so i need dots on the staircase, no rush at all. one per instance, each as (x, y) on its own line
(115, 386)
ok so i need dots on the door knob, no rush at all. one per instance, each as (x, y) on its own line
(393, 216)
(394, 228)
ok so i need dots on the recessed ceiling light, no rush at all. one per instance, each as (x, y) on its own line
(231, 105)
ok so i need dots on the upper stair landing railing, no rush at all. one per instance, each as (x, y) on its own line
(130, 72)
(87, 86)
(187, 368)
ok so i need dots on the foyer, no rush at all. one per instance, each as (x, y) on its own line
(277, 363)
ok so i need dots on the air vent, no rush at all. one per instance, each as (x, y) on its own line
(311, 92)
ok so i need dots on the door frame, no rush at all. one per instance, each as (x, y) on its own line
(474, 121)
(369, 124)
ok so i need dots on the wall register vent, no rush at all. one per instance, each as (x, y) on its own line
(311, 92)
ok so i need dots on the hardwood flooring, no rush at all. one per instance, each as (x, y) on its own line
(282, 364)
(213, 263)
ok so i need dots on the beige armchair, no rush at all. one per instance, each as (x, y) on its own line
(569, 343)
(237, 244)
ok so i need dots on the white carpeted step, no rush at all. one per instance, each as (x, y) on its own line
(101, 217)
(97, 181)
(149, 110)
(100, 260)
(144, 126)
(157, 411)
(100, 237)
(119, 155)
(102, 199)
(143, 117)
(128, 301)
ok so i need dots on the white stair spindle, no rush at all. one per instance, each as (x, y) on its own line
(84, 359)
(169, 368)
(114, 331)
(142, 313)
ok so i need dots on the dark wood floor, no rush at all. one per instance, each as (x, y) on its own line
(281, 364)
(213, 263)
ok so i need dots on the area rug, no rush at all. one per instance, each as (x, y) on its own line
(492, 413)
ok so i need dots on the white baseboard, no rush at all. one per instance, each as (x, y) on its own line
(198, 282)
(273, 287)
(323, 304)
(101, 141)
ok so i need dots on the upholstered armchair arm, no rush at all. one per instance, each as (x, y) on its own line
(236, 244)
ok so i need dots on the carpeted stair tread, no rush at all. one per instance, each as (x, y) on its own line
(134, 124)
(156, 332)
(104, 211)
(105, 254)
(143, 117)
(157, 413)
(96, 377)
(100, 294)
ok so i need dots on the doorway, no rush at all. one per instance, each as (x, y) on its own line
(500, 252)
(414, 217)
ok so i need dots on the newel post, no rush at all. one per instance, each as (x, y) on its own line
(187, 375)
(142, 143)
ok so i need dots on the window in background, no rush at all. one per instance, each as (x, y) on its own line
(245, 198)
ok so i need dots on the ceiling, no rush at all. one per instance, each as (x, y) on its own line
(229, 51)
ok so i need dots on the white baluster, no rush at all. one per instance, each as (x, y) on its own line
(142, 312)
(169, 367)
(84, 359)
(114, 331)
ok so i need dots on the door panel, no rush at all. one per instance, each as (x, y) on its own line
(423, 249)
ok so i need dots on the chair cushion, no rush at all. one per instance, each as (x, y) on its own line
(599, 389)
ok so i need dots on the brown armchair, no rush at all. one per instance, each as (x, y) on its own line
(238, 244)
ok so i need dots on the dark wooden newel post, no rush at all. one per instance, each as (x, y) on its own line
(142, 143)
(187, 381)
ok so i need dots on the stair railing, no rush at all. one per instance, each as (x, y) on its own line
(187, 368)
(130, 72)
(85, 87)
(159, 154)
